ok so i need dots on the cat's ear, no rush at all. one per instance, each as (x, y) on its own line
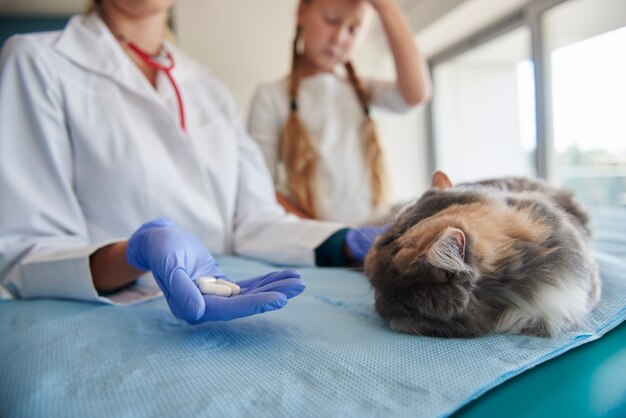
(447, 251)
(441, 181)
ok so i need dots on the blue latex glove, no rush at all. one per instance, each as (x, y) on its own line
(176, 258)
(360, 240)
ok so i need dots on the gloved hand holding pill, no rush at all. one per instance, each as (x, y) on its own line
(176, 258)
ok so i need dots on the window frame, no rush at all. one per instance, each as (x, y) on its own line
(528, 16)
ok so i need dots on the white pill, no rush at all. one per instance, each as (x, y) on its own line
(206, 279)
(209, 285)
(208, 288)
(234, 288)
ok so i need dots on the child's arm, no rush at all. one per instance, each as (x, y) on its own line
(411, 70)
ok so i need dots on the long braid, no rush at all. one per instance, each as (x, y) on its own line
(296, 151)
(374, 157)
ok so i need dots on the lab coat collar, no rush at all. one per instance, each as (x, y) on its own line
(87, 41)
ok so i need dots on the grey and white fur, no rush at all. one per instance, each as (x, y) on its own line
(510, 255)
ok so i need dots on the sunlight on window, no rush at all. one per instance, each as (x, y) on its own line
(588, 107)
(589, 93)
(484, 110)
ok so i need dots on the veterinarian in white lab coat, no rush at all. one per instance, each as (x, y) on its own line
(95, 143)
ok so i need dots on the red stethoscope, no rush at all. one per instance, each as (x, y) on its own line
(164, 61)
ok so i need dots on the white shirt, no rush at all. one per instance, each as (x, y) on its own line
(333, 117)
(89, 151)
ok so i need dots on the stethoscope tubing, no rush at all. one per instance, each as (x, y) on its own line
(167, 69)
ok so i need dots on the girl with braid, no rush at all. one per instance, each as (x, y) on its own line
(315, 126)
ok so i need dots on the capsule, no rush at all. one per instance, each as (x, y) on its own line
(215, 289)
(206, 279)
(234, 288)
(209, 285)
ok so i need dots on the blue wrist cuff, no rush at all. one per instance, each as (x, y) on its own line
(331, 252)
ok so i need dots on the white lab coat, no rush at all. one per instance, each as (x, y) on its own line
(89, 151)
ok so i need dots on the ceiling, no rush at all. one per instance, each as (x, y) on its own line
(422, 13)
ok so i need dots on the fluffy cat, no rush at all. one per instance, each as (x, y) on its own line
(508, 255)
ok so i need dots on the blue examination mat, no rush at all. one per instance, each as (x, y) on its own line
(325, 354)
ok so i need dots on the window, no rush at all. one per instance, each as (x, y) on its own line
(484, 107)
(585, 44)
(496, 111)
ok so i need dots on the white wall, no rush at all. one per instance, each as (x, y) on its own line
(244, 42)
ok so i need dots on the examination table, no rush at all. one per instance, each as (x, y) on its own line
(325, 354)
